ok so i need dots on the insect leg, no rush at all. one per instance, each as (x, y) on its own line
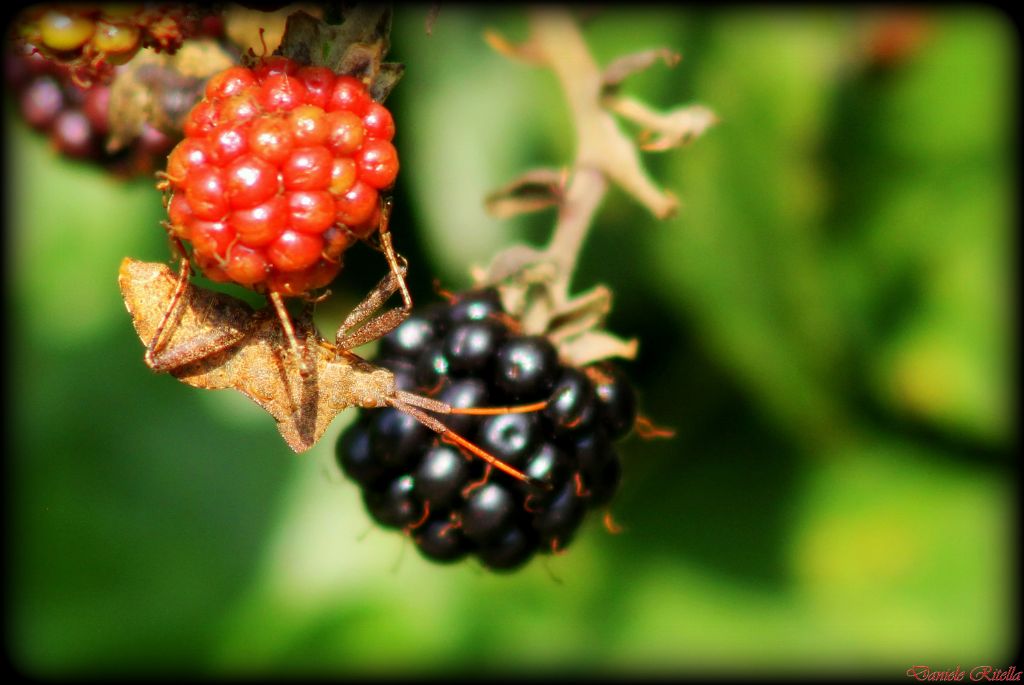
(298, 350)
(373, 328)
(153, 357)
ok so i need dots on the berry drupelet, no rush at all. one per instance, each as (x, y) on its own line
(468, 353)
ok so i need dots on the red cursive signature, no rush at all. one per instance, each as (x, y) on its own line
(976, 674)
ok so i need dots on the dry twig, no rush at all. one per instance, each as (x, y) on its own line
(535, 284)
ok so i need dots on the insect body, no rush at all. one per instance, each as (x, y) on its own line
(214, 341)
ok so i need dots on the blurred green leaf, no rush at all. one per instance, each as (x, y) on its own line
(837, 277)
(743, 260)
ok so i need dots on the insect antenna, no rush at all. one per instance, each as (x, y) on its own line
(439, 407)
(414, 405)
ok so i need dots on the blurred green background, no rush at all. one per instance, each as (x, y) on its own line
(826, 324)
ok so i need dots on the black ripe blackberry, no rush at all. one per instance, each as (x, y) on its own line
(469, 353)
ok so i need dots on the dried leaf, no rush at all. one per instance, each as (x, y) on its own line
(225, 344)
(511, 262)
(616, 72)
(533, 191)
(355, 47)
(593, 346)
(583, 312)
(663, 131)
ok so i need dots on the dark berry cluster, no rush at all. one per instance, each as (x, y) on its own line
(468, 354)
(279, 173)
(76, 118)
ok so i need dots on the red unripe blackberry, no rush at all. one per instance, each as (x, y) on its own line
(212, 270)
(336, 241)
(239, 108)
(278, 156)
(295, 283)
